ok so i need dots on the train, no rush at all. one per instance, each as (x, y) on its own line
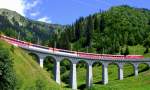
(20, 43)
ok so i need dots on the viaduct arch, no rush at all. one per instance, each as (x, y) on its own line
(89, 62)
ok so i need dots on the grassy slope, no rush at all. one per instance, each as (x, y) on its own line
(129, 80)
(113, 76)
(28, 72)
(139, 50)
(142, 82)
(129, 83)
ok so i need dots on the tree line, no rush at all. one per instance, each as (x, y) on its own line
(107, 31)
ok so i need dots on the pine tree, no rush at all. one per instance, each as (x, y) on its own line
(121, 52)
(102, 23)
(146, 51)
(89, 31)
(126, 51)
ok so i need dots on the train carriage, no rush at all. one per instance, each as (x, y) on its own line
(68, 52)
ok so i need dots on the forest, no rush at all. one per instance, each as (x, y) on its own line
(109, 32)
(115, 31)
(106, 31)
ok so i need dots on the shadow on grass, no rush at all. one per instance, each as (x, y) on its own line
(67, 86)
(129, 75)
(145, 69)
(99, 82)
(83, 86)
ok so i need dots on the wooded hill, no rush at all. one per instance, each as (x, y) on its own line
(110, 31)
(107, 31)
(14, 25)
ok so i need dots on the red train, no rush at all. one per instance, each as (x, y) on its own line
(67, 52)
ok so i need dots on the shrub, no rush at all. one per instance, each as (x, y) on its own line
(40, 85)
(7, 75)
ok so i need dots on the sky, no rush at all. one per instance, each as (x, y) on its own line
(65, 11)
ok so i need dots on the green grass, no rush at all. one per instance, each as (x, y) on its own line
(113, 76)
(138, 50)
(28, 72)
(130, 82)
(141, 82)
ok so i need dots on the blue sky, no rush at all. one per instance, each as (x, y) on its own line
(65, 11)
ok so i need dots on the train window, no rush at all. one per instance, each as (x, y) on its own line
(67, 51)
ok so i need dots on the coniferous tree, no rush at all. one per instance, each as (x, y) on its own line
(146, 51)
(126, 51)
(89, 31)
(121, 52)
(102, 23)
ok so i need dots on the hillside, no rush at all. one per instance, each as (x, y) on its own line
(130, 82)
(108, 31)
(114, 31)
(116, 28)
(15, 25)
(29, 74)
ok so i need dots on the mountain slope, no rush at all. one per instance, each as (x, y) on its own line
(15, 25)
(29, 74)
(108, 31)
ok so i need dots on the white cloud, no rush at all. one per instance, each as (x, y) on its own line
(34, 14)
(45, 19)
(20, 6)
(33, 4)
(15, 5)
